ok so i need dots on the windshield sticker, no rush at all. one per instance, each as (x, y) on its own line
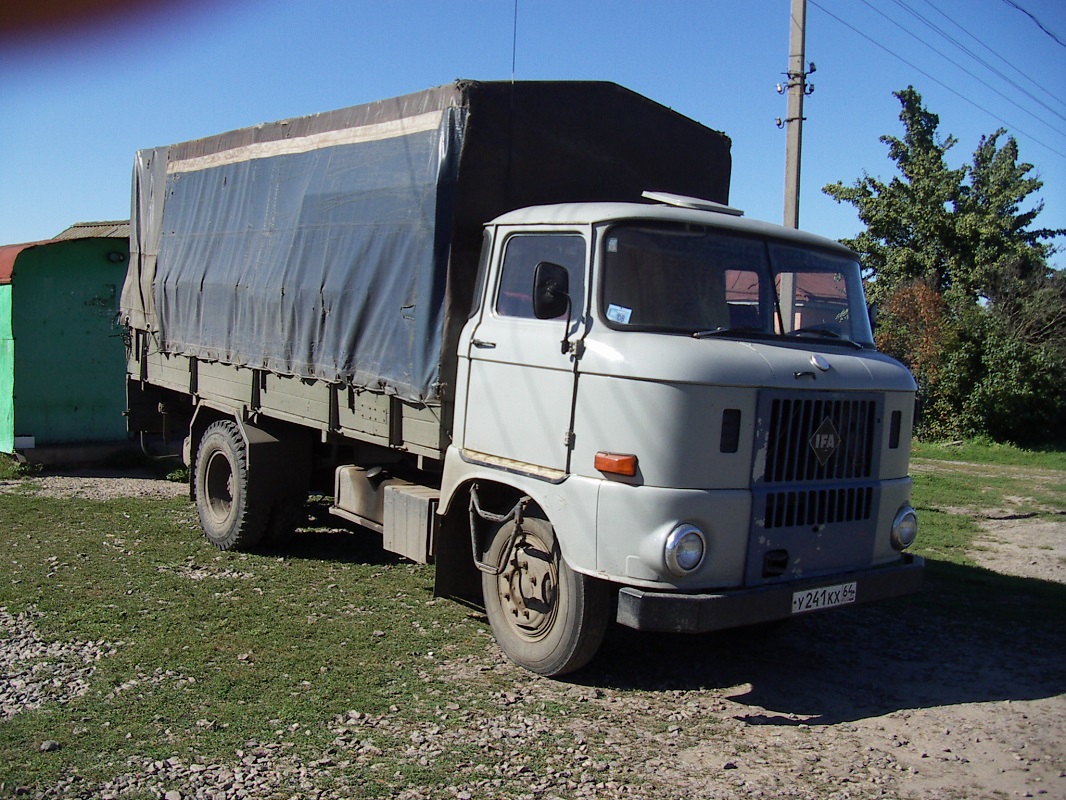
(619, 314)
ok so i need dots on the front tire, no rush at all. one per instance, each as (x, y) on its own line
(229, 514)
(546, 617)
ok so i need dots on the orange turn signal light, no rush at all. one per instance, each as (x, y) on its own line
(617, 463)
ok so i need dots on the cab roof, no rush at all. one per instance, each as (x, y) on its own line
(599, 213)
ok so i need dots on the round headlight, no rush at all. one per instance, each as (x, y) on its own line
(904, 528)
(685, 548)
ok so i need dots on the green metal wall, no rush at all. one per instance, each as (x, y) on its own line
(7, 374)
(69, 357)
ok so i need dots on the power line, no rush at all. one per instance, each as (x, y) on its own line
(994, 53)
(1010, 100)
(1005, 78)
(1039, 24)
(935, 80)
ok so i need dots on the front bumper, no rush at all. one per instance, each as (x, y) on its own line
(697, 613)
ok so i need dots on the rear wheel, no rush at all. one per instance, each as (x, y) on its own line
(546, 617)
(229, 515)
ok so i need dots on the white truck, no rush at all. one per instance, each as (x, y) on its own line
(515, 328)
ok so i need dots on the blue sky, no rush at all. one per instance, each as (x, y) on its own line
(75, 106)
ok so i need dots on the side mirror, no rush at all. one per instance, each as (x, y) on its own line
(551, 290)
(551, 296)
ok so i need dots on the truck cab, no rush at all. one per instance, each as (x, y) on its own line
(675, 416)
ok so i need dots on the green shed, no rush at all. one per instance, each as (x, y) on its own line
(62, 357)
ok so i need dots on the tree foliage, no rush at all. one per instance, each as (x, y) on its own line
(968, 300)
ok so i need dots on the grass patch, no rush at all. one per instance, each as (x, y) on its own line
(990, 453)
(945, 537)
(11, 469)
(956, 486)
(1000, 493)
(210, 650)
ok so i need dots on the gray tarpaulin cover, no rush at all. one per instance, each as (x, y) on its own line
(342, 246)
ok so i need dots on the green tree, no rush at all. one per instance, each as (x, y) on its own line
(908, 234)
(992, 229)
(968, 299)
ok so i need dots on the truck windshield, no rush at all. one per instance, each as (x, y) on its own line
(709, 282)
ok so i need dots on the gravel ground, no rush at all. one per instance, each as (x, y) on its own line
(97, 484)
(860, 703)
(33, 672)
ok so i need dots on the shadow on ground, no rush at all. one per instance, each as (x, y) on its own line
(971, 636)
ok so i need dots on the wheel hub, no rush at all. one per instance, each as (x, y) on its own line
(528, 587)
(219, 485)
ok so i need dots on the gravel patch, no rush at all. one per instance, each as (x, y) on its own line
(97, 485)
(33, 672)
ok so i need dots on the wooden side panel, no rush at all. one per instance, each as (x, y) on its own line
(356, 414)
(364, 412)
(222, 383)
(295, 399)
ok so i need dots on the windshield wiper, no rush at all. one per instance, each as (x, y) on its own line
(759, 333)
(825, 333)
(729, 332)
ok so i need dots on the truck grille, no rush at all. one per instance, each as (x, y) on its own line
(818, 507)
(826, 437)
(814, 483)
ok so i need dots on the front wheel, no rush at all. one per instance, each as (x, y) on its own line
(546, 617)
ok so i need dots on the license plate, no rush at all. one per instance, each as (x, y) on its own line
(823, 597)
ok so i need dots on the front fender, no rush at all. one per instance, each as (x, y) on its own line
(568, 502)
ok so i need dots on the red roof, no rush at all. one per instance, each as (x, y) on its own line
(119, 229)
(8, 254)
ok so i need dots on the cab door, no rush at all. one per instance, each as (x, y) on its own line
(520, 390)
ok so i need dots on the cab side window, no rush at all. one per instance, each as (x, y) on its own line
(523, 252)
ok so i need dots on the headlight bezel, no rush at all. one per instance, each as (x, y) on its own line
(904, 528)
(677, 552)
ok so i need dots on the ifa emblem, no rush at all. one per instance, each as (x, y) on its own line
(825, 441)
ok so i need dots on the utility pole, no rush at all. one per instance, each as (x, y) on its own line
(797, 89)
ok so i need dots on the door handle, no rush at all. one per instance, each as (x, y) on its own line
(481, 343)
